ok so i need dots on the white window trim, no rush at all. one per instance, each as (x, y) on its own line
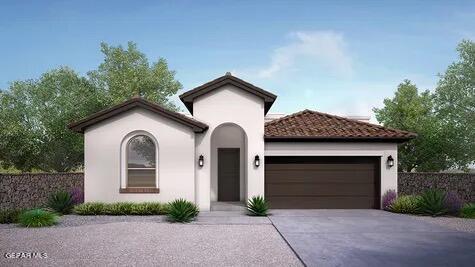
(123, 157)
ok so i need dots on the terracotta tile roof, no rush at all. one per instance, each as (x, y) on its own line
(136, 102)
(316, 126)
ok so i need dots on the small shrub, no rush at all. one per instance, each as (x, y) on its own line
(90, 208)
(406, 204)
(388, 199)
(61, 202)
(181, 210)
(432, 202)
(147, 208)
(468, 211)
(9, 216)
(77, 196)
(257, 206)
(37, 218)
(119, 208)
(452, 203)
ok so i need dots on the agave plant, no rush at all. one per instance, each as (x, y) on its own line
(432, 203)
(61, 202)
(257, 206)
(181, 210)
(37, 218)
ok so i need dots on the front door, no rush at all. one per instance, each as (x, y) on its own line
(228, 174)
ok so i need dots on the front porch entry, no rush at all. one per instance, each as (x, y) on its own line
(228, 164)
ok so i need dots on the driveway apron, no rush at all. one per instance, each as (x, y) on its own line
(371, 238)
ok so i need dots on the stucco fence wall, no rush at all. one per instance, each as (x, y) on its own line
(416, 182)
(33, 190)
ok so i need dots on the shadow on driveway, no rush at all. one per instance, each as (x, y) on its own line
(371, 238)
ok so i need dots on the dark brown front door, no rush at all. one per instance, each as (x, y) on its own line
(322, 182)
(228, 174)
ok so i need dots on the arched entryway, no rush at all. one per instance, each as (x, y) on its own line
(228, 163)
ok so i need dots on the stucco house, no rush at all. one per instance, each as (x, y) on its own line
(227, 152)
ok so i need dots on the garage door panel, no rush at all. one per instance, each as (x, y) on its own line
(320, 202)
(322, 182)
(303, 176)
(322, 167)
(311, 189)
(323, 177)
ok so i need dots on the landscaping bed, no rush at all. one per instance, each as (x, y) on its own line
(434, 203)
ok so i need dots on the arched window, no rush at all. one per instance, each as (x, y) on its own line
(141, 162)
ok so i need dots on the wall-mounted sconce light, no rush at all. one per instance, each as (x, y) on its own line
(201, 161)
(390, 161)
(257, 161)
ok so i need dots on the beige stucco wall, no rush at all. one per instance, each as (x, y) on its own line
(104, 157)
(230, 105)
(383, 150)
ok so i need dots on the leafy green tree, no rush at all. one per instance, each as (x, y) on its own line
(34, 115)
(125, 73)
(455, 105)
(413, 111)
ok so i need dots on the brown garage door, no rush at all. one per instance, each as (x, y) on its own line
(322, 182)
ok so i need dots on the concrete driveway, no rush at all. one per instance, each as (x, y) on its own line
(215, 239)
(371, 238)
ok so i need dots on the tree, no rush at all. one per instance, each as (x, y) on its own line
(413, 111)
(125, 73)
(455, 105)
(34, 114)
(33, 120)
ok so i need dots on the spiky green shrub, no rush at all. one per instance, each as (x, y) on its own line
(468, 211)
(61, 202)
(9, 216)
(147, 208)
(119, 208)
(432, 203)
(257, 206)
(406, 204)
(90, 208)
(37, 218)
(181, 210)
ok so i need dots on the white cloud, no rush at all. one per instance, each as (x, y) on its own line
(326, 48)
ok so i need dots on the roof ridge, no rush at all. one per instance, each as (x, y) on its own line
(222, 78)
(287, 116)
(357, 121)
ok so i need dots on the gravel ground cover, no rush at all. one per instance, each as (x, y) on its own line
(147, 243)
(459, 224)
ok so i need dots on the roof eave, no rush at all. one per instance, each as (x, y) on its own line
(188, 97)
(81, 125)
(336, 139)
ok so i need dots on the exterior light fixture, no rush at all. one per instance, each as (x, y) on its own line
(257, 161)
(201, 161)
(390, 161)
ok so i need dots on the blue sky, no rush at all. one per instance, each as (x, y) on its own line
(332, 56)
